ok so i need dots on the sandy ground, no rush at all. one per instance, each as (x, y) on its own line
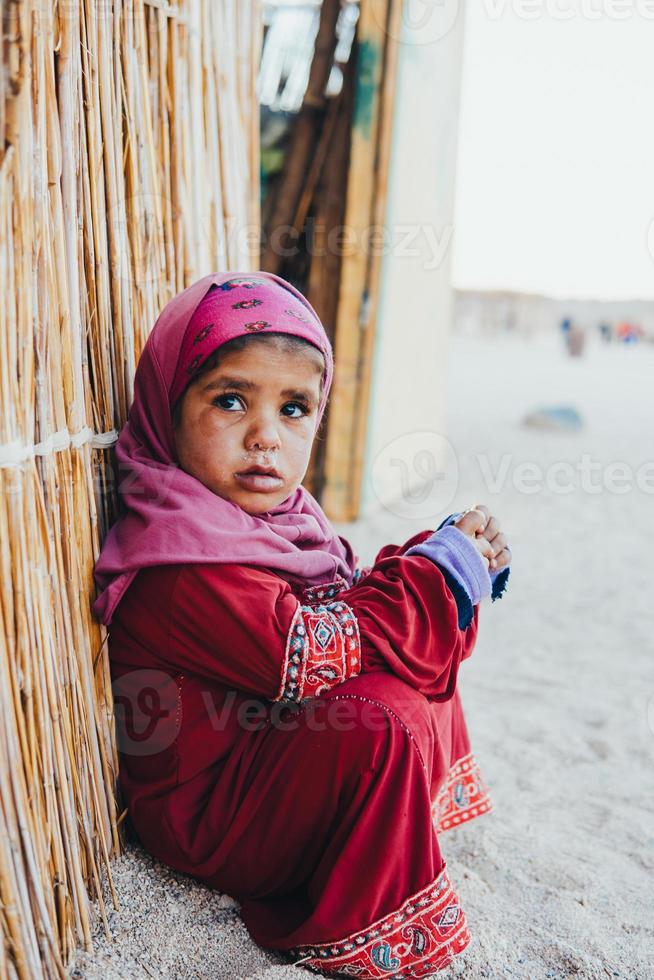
(558, 881)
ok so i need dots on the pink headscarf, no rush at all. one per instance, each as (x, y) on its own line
(171, 517)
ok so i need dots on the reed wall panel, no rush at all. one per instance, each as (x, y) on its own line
(128, 169)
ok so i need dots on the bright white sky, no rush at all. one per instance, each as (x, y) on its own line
(555, 186)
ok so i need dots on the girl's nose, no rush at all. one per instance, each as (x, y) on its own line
(263, 434)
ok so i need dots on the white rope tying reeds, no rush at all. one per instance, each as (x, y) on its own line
(15, 453)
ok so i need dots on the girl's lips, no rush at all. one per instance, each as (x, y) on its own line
(261, 482)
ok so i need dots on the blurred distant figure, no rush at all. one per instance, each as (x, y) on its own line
(574, 337)
(565, 330)
(629, 333)
(606, 332)
(576, 340)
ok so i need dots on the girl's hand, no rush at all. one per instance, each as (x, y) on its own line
(478, 524)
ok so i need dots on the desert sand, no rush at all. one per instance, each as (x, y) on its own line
(558, 880)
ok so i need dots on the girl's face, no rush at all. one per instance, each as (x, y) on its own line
(258, 408)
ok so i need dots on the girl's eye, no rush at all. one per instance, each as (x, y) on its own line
(303, 409)
(221, 399)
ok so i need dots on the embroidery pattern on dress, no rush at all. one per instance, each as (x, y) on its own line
(359, 573)
(422, 936)
(463, 796)
(323, 647)
(316, 593)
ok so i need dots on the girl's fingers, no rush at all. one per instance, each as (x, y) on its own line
(482, 509)
(498, 542)
(492, 528)
(489, 540)
(473, 520)
(501, 560)
(478, 524)
(484, 548)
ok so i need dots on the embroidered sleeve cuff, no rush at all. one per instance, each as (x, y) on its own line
(323, 649)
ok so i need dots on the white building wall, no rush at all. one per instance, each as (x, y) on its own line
(416, 299)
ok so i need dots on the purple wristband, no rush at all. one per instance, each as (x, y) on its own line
(452, 550)
(494, 574)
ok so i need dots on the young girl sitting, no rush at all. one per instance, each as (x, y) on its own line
(289, 724)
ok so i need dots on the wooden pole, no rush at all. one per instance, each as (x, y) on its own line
(380, 198)
(359, 283)
(328, 213)
(301, 145)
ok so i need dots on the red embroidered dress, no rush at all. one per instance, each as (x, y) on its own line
(301, 749)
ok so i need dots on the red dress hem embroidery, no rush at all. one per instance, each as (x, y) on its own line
(423, 935)
(463, 797)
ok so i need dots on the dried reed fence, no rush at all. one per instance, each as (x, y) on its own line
(128, 168)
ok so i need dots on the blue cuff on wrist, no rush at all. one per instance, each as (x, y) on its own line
(464, 607)
(500, 580)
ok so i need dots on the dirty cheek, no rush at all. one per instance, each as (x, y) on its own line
(213, 464)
